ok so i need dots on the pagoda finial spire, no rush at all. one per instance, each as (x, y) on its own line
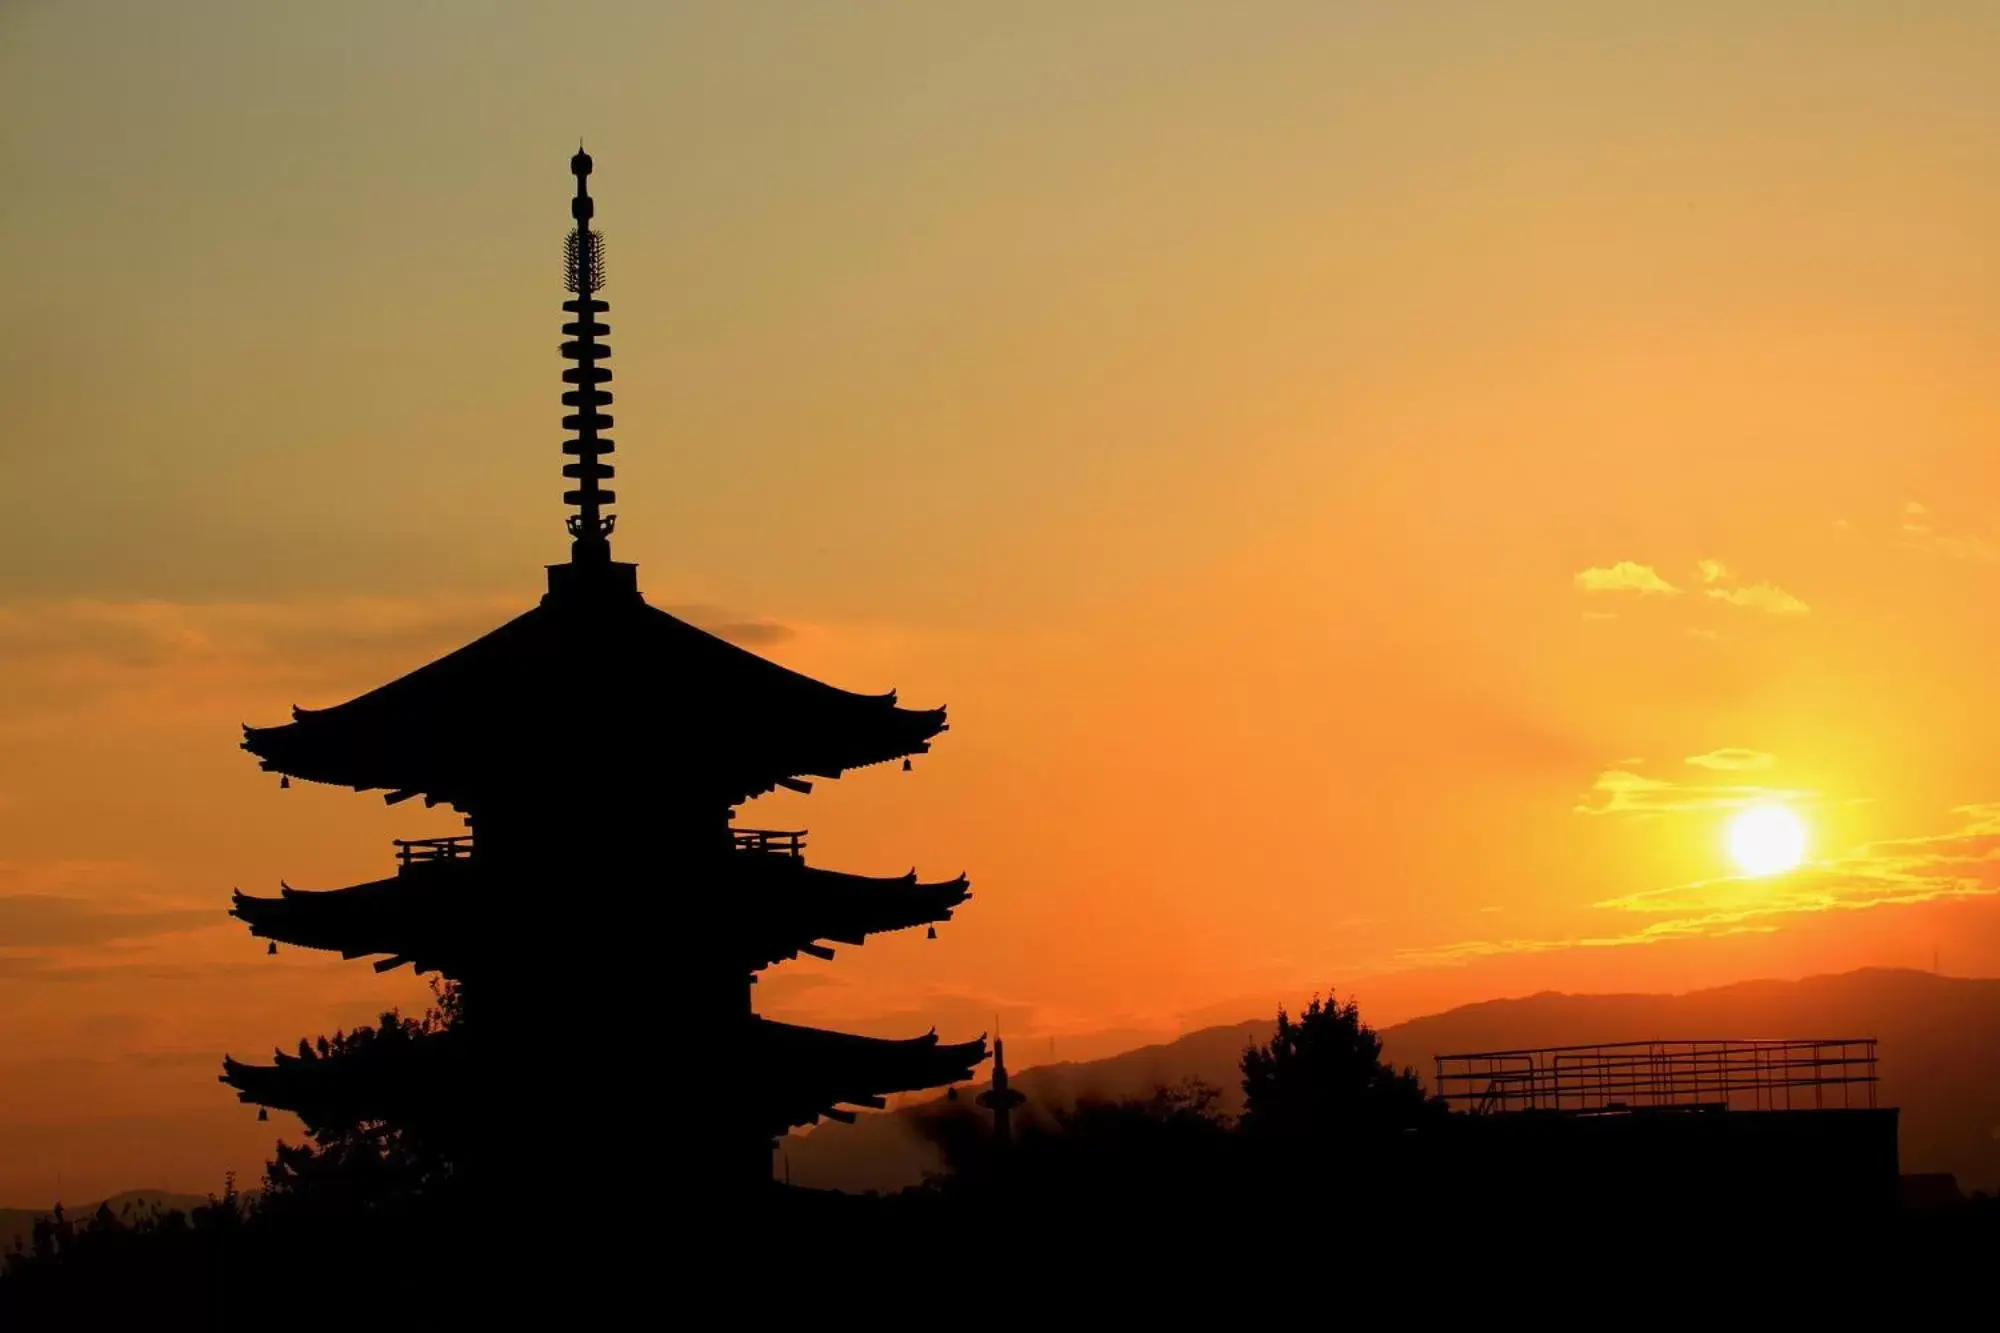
(583, 273)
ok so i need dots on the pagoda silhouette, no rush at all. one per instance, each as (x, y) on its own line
(603, 918)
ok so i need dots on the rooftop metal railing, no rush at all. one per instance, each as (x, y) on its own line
(1784, 1075)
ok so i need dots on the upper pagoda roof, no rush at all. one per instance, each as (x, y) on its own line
(593, 672)
(593, 684)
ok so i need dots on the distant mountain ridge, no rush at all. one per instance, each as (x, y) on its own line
(17, 1225)
(1939, 1061)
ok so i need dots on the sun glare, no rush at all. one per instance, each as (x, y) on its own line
(1767, 840)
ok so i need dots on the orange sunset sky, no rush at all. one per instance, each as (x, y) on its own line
(1377, 485)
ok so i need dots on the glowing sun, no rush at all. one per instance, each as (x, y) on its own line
(1767, 840)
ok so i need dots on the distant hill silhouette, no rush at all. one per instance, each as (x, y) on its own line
(18, 1224)
(1940, 1062)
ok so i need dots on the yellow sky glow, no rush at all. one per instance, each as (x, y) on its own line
(1378, 486)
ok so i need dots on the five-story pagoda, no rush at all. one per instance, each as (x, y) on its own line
(603, 918)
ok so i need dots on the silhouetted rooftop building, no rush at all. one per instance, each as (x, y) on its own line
(1672, 1129)
(597, 747)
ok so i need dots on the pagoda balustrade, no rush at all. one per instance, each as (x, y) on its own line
(772, 842)
(767, 841)
(416, 851)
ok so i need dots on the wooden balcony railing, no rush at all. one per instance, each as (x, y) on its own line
(775, 842)
(411, 851)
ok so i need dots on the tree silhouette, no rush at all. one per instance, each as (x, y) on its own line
(1320, 1079)
(351, 1165)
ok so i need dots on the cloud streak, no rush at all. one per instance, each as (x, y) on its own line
(1625, 576)
(1620, 791)
(38, 921)
(61, 920)
(1920, 532)
(725, 624)
(151, 661)
(1733, 759)
(1762, 597)
(1718, 581)
(1964, 863)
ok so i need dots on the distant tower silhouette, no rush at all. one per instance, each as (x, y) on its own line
(597, 747)
(1001, 1099)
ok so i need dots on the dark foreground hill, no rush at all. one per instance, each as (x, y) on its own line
(1940, 1062)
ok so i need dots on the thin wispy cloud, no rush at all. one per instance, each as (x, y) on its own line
(1716, 579)
(1976, 549)
(1919, 529)
(153, 661)
(1733, 759)
(1719, 581)
(156, 660)
(41, 921)
(738, 629)
(65, 919)
(1620, 791)
(1625, 576)
(1762, 597)
(59, 913)
(1963, 863)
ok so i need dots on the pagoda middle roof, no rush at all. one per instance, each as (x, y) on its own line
(808, 904)
(425, 914)
(416, 917)
(599, 676)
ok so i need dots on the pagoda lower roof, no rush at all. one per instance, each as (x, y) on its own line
(807, 1073)
(796, 1075)
(423, 915)
(594, 672)
(407, 1078)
